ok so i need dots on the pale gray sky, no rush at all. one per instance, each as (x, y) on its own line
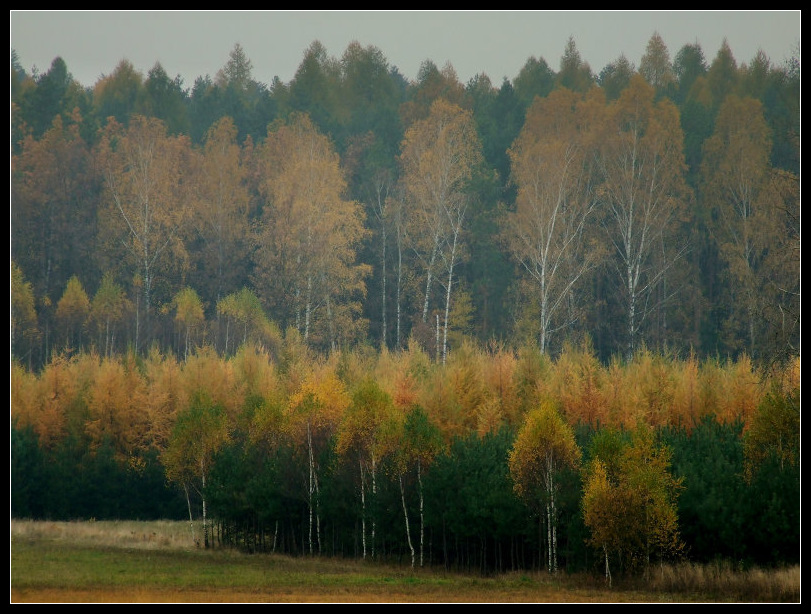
(497, 43)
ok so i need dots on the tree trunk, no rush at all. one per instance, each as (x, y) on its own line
(448, 294)
(399, 283)
(428, 288)
(437, 337)
(607, 570)
(362, 507)
(191, 519)
(383, 294)
(310, 489)
(203, 495)
(548, 538)
(307, 308)
(422, 515)
(317, 512)
(447, 314)
(405, 515)
(374, 500)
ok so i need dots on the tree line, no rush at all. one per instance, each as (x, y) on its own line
(493, 461)
(656, 206)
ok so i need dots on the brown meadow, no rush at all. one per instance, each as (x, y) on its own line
(156, 562)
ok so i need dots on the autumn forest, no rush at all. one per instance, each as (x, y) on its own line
(549, 323)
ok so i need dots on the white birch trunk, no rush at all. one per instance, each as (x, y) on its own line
(310, 488)
(548, 539)
(399, 281)
(448, 301)
(437, 337)
(275, 535)
(374, 498)
(407, 525)
(307, 308)
(422, 515)
(362, 506)
(607, 570)
(383, 294)
(202, 494)
(317, 511)
(191, 518)
(427, 293)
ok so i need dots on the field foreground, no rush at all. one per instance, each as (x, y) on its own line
(157, 562)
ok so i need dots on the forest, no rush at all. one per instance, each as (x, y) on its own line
(553, 322)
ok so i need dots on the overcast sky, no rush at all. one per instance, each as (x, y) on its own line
(497, 43)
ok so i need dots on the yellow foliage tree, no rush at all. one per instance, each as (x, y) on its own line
(641, 159)
(221, 209)
(363, 432)
(306, 263)
(145, 174)
(188, 314)
(164, 396)
(115, 400)
(629, 501)
(544, 446)
(206, 371)
(547, 233)
(750, 213)
(72, 312)
(312, 417)
(439, 157)
(23, 312)
(200, 431)
(106, 309)
(578, 381)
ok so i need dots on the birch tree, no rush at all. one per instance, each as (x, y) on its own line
(641, 159)
(244, 310)
(306, 258)
(23, 320)
(439, 157)
(188, 314)
(554, 205)
(221, 211)
(72, 312)
(544, 446)
(362, 433)
(312, 417)
(200, 431)
(146, 201)
(381, 202)
(738, 185)
(417, 443)
(106, 309)
(629, 500)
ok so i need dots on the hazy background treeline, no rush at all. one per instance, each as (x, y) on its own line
(139, 193)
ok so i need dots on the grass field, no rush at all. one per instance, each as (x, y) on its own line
(156, 562)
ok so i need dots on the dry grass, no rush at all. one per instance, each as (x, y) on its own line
(774, 585)
(157, 562)
(153, 535)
